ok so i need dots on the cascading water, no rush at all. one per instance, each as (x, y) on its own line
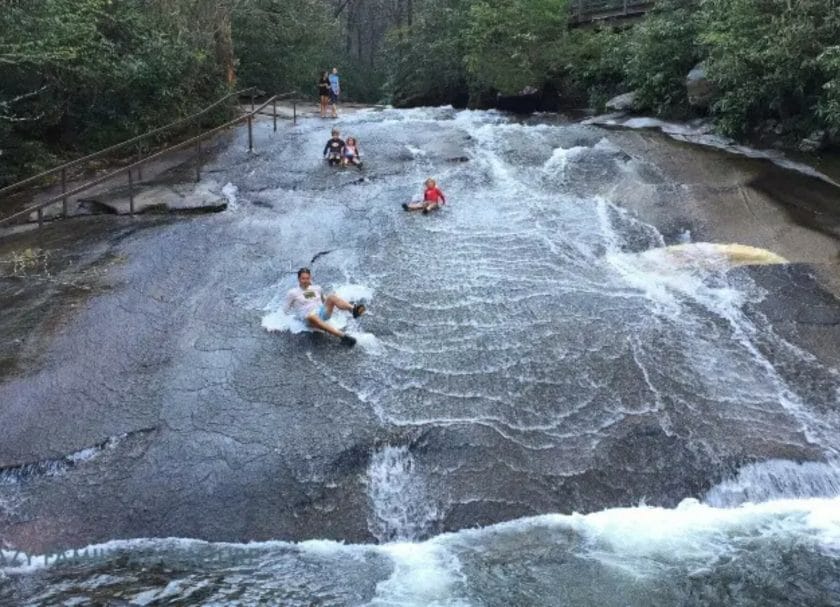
(541, 347)
(400, 508)
(774, 480)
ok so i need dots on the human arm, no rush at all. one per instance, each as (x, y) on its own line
(290, 300)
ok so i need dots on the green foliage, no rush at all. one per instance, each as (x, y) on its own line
(829, 104)
(512, 44)
(34, 66)
(284, 46)
(763, 54)
(425, 60)
(360, 80)
(662, 49)
(594, 64)
(82, 74)
(78, 75)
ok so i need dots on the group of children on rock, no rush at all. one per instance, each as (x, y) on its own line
(342, 153)
(338, 152)
(307, 301)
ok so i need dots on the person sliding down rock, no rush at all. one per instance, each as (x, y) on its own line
(352, 155)
(334, 150)
(433, 198)
(307, 302)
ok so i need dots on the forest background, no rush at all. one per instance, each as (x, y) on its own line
(79, 75)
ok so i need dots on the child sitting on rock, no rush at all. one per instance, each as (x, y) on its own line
(433, 198)
(351, 153)
(334, 149)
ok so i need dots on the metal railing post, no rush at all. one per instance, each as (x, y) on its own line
(110, 149)
(130, 193)
(274, 113)
(294, 112)
(64, 191)
(198, 160)
(68, 190)
(252, 102)
(250, 133)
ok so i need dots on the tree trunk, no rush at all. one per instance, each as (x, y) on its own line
(223, 37)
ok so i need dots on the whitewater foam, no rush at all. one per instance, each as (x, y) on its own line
(400, 506)
(776, 479)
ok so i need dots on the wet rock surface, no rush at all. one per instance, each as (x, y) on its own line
(508, 349)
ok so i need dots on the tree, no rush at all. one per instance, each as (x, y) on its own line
(764, 57)
(425, 56)
(512, 44)
(283, 46)
(82, 74)
(661, 50)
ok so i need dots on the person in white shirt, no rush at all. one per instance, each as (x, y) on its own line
(351, 153)
(307, 302)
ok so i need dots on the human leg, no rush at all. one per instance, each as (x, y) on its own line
(334, 102)
(316, 321)
(334, 301)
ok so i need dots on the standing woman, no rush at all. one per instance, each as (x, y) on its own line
(335, 90)
(324, 93)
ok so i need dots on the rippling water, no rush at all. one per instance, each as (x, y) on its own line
(534, 347)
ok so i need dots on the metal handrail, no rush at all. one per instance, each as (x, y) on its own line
(118, 146)
(196, 140)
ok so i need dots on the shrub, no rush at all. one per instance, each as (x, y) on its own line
(661, 51)
(763, 54)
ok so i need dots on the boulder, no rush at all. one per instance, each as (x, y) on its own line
(622, 103)
(701, 91)
(816, 141)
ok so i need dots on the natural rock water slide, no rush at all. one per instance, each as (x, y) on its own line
(599, 322)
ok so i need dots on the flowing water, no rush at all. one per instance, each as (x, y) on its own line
(561, 406)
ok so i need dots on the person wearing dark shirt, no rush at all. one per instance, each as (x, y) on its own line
(324, 93)
(334, 149)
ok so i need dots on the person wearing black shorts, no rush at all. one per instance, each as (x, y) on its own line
(324, 93)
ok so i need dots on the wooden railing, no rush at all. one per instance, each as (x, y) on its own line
(134, 170)
(588, 11)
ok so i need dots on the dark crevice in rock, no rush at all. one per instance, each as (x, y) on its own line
(16, 474)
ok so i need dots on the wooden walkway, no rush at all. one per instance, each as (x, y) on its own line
(589, 11)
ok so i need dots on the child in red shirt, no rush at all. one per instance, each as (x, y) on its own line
(432, 199)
